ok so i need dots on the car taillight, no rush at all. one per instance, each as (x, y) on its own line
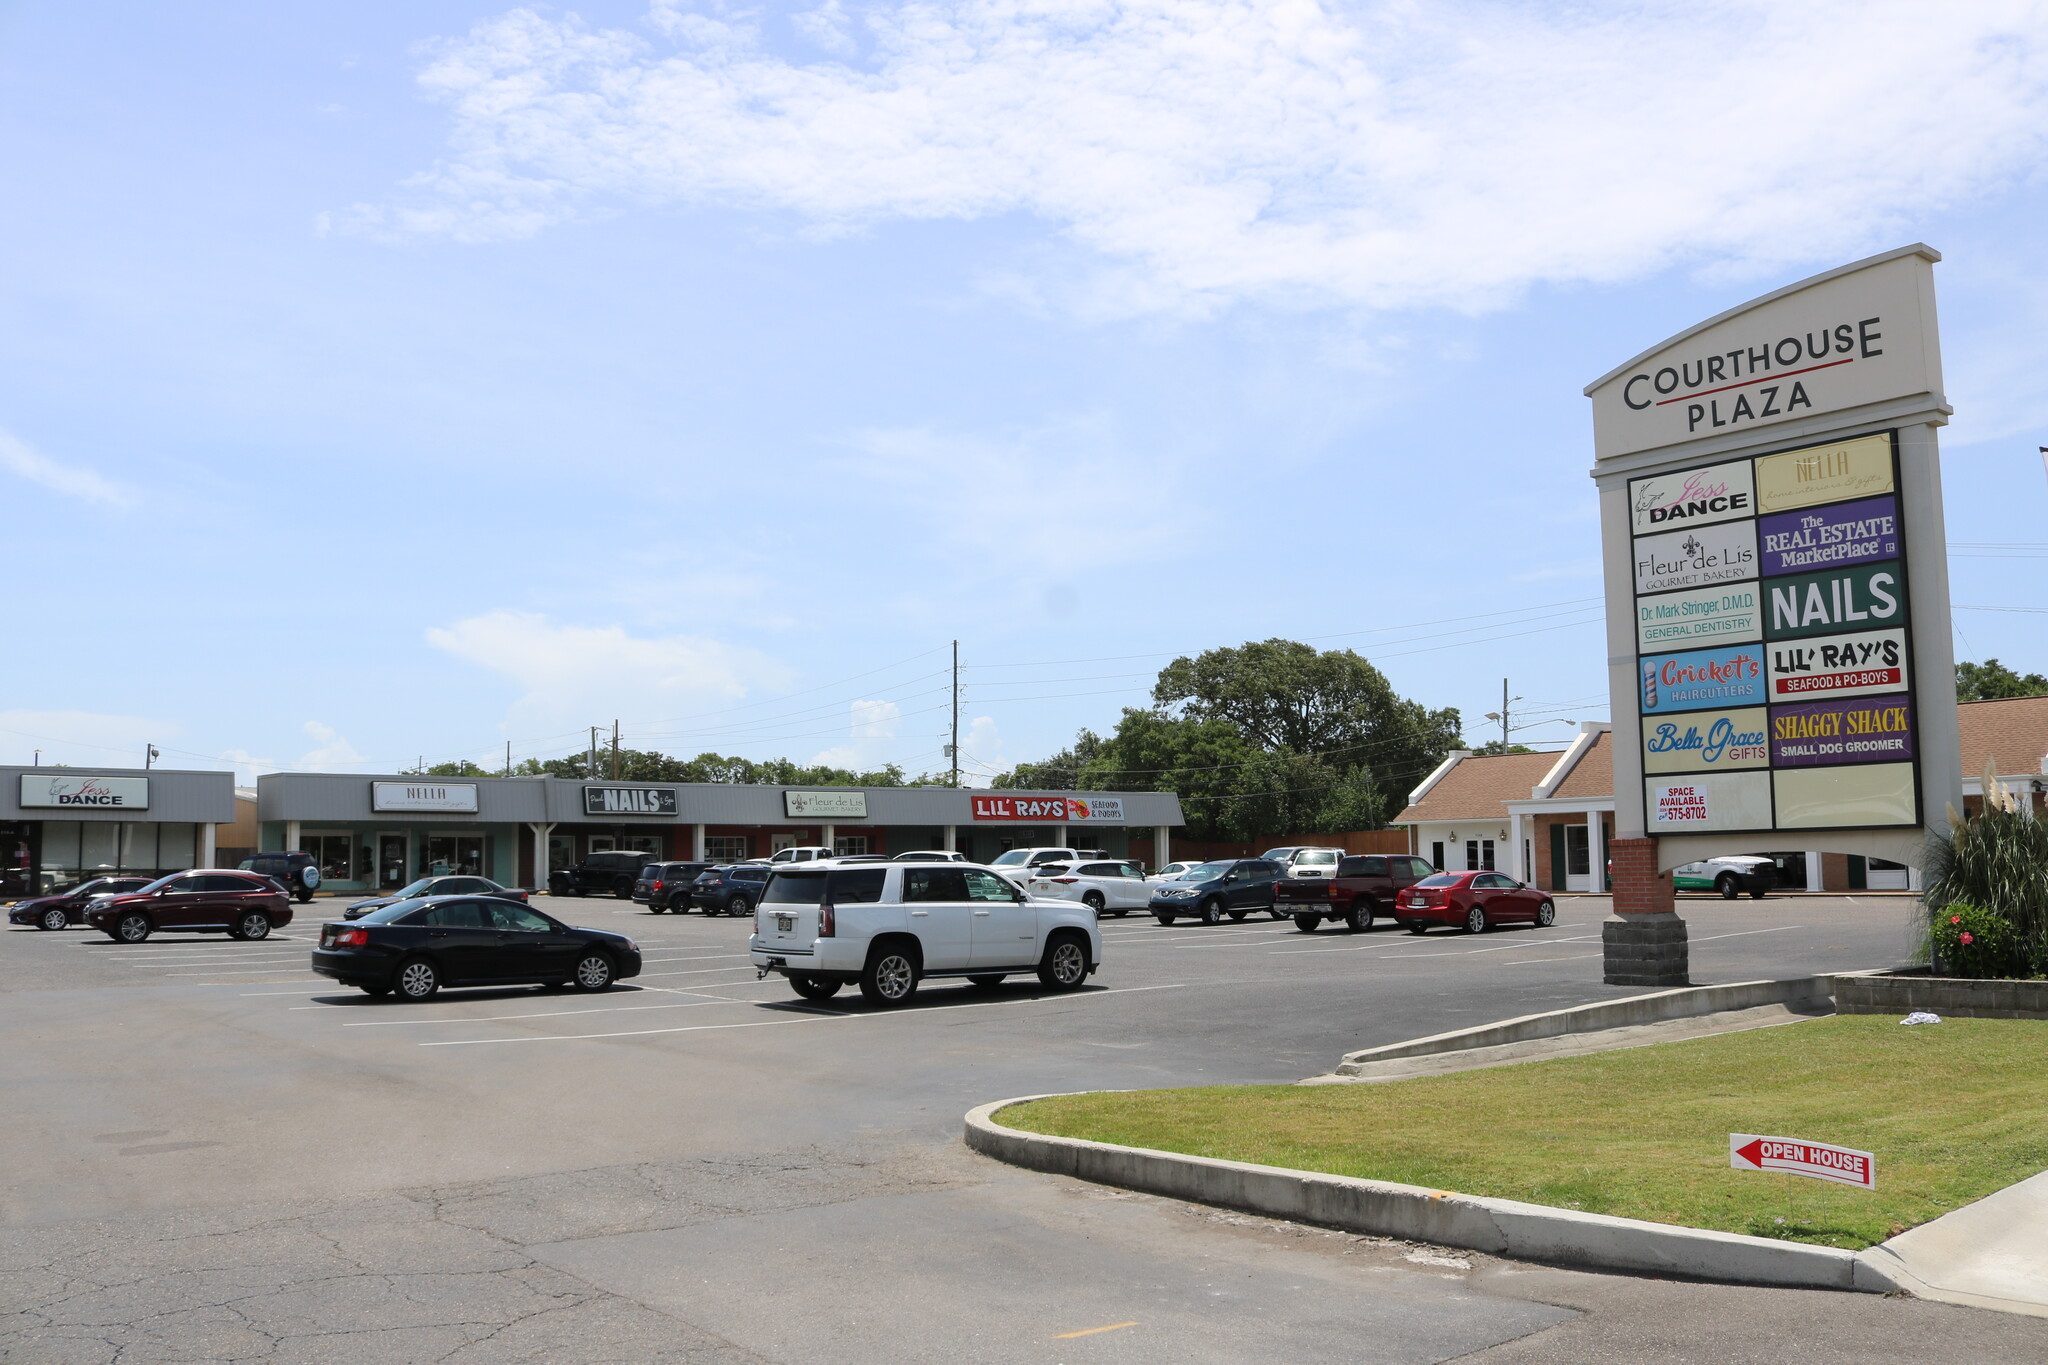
(1064, 881)
(828, 922)
(351, 938)
(655, 887)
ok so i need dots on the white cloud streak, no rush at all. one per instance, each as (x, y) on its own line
(1383, 153)
(24, 461)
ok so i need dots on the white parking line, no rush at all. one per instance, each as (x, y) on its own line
(701, 971)
(537, 1014)
(771, 1023)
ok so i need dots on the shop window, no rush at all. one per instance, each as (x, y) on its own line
(640, 843)
(1578, 853)
(851, 843)
(561, 850)
(1436, 855)
(177, 847)
(99, 847)
(334, 854)
(725, 848)
(138, 846)
(443, 854)
(602, 843)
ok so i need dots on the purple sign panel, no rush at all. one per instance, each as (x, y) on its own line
(1828, 537)
(1865, 730)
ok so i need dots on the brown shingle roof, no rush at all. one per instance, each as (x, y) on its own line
(1592, 778)
(1476, 788)
(2012, 734)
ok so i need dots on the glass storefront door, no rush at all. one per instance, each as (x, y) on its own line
(17, 862)
(390, 861)
(459, 853)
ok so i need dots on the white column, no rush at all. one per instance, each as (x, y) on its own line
(825, 835)
(952, 833)
(1596, 855)
(1813, 871)
(1162, 846)
(697, 844)
(541, 869)
(291, 836)
(1515, 859)
(1913, 879)
(207, 831)
(1059, 836)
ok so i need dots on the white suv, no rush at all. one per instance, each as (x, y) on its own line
(888, 926)
(1019, 861)
(1106, 888)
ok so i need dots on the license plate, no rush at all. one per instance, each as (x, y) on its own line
(785, 923)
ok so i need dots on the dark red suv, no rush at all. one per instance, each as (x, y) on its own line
(245, 905)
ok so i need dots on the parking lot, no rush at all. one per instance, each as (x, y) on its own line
(216, 1156)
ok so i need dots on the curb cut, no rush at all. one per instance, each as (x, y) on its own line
(1499, 1227)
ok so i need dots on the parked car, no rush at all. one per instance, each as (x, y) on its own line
(416, 947)
(1363, 887)
(1731, 876)
(1301, 854)
(1106, 888)
(613, 871)
(66, 908)
(803, 854)
(1476, 901)
(930, 855)
(297, 873)
(436, 886)
(1314, 862)
(1228, 886)
(666, 886)
(887, 928)
(731, 890)
(209, 900)
(1024, 859)
(1173, 872)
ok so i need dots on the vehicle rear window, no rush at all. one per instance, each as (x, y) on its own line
(1053, 869)
(1441, 879)
(749, 874)
(842, 886)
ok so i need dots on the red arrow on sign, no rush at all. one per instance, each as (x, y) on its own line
(1793, 1156)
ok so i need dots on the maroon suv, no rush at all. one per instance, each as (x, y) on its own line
(245, 905)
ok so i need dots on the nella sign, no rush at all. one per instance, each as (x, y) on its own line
(1776, 570)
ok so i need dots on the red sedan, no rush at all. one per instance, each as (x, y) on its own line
(1476, 900)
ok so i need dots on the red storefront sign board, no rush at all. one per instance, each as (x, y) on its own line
(1037, 810)
(1794, 1156)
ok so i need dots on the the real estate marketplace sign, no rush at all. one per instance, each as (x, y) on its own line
(1759, 471)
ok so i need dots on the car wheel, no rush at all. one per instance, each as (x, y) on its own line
(1093, 900)
(53, 919)
(417, 979)
(1164, 919)
(254, 925)
(738, 906)
(1065, 967)
(374, 990)
(578, 892)
(813, 987)
(1276, 912)
(1308, 924)
(1118, 914)
(132, 928)
(623, 891)
(1415, 926)
(594, 972)
(890, 978)
(986, 983)
(1359, 918)
(1475, 920)
(1727, 886)
(1212, 911)
(1757, 894)
(1546, 915)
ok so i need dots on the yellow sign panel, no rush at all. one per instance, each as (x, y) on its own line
(1831, 473)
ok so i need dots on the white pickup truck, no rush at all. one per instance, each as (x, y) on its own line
(887, 927)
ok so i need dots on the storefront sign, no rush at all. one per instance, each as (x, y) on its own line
(1835, 600)
(1873, 730)
(1708, 803)
(1839, 666)
(1730, 676)
(459, 797)
(1825, 473)
(1038, 809)
(1706, 741)
(1095, 810)
(73, 792)
(1825, 798)
(629, 800)
(1696, 557)
(1829, 537)
(1688, 618)
(1695, 497)
(839, 805)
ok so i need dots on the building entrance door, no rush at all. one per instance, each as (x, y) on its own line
(390, 861)
(459, 853)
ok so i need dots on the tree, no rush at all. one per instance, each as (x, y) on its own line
(648, 765)
(1494, 746)
(1993, 681)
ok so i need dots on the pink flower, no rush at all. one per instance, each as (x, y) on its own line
(1955, 919)
(1965, 940)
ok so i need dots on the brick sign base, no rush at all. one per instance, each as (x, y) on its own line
(1644, 944)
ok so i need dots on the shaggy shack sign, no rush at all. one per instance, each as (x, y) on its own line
(1776, 572)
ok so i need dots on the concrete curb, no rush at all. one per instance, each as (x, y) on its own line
(1500, 1227)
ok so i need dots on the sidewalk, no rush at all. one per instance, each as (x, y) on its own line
(1990, 1254)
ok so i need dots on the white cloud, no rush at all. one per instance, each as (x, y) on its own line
(82, 739)
(573, 676)
(875, 719)
(1382, 153)
(982, 752)
(23, 460)
(330, 749)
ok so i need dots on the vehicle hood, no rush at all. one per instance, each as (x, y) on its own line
(37, 903)
(119, 899)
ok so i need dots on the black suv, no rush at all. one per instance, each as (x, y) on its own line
(666, 886)
(731, 889)
(297, 873)
(614, 871)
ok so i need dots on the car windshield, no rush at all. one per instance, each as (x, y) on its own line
(1320, 857)
(1205, 872)
(385, 914)
(161, 882)
(1441, 879)
(418, 888)
(1012, 858)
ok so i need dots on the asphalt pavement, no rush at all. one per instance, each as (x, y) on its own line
(213, 1155)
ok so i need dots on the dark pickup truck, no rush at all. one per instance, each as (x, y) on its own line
(613, 872)
(1363, 888)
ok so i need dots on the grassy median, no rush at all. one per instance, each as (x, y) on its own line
(1952, 1110)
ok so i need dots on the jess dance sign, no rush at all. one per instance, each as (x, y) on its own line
(85, 793)
(1055, 810)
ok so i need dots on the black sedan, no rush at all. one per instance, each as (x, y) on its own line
(416, 947)
(67, 908)
(436, 886)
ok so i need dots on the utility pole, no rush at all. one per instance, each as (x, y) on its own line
(1502, 714)
(954, 747)
(615, 751)
(590, 771)
(508, 758)
(149, 756)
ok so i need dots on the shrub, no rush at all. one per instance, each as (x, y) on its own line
(1991, 872)
(1969, 941)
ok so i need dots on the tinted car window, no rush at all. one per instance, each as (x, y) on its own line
(1441, 879)
(1264, 869)
(517, 918)
(407, 912)
(794, 888)
(935, 884)
(455, 915)
(987, 886)
(749, 874)
(1100, 870)
(856, 886)
(1374, 867)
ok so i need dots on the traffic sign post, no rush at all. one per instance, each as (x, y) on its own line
(1795, 1156)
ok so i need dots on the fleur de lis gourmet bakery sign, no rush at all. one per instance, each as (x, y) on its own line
(1776, 574)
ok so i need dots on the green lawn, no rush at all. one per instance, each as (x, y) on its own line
(1953, 1111)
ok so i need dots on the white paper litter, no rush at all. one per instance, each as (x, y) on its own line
(1921, 1017)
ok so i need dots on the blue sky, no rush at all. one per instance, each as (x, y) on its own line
(395, 380)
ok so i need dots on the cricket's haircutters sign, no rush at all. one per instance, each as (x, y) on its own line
(1753, 469)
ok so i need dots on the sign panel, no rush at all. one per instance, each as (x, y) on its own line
(456, 797)
(1825, 537)
(1875, 730)
(1689, 618)
(1095, 810)
(1825, 473)
(1706, 741)
(1825, 798)
(1050, 810)
(70, 791)
(1730, 676)
(1696, 557)
(1833, 600)
(834, 805)
(1693, 497)
(1708, 803)
(1820, 1160)
(1839, 666)
(629, 800)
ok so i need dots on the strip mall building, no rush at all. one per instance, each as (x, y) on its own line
(380, 832)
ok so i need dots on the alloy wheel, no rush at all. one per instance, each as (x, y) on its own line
(1475, 921)
(418, 980)
(1066, 965)
(1546, 915)
(594, 972)
(54, 919)
(132, 928)
(255, 924)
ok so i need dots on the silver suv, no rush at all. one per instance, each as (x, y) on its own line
(888, 926)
